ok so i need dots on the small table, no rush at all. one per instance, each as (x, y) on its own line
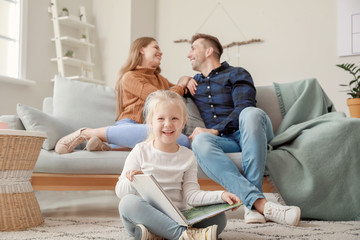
(19, 151)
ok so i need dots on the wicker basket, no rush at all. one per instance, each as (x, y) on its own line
(19, 151)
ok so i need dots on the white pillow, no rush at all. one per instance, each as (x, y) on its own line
(35, 120)
(81, 104)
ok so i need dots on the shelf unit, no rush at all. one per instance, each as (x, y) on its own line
(68, 32)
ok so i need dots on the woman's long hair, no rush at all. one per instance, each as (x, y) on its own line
(134, 59)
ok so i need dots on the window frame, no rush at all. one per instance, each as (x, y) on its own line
(22, 62)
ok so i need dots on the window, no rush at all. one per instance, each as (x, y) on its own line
(12, 39)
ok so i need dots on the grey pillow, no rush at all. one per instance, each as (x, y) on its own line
(35, 120)
(13, 121)
(81, 104)
(194, 117)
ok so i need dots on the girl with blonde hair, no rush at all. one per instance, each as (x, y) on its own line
(175, 168)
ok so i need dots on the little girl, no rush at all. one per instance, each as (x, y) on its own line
(175, 168)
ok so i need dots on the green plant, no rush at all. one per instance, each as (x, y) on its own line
(65, 10)
(354, 84)
(69, 53)
(83, 36)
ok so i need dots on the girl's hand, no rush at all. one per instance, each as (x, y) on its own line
(130, 174)
(230, 198)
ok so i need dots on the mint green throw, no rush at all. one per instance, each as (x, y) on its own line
(315, 156)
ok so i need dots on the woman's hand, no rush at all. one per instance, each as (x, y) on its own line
(191, 85)
(130, 174)
(230, 198)
(183, 81)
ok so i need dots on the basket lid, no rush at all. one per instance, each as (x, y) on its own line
(21, 133)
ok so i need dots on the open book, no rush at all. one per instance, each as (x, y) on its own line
(150, 190)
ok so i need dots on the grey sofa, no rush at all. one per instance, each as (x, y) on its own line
(78, 104)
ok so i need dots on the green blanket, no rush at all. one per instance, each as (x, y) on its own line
(315, 156)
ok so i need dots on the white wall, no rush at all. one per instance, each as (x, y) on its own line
(112, 21)
(300, 39)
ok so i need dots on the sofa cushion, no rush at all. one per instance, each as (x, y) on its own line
(81, 162)
(35, 120)
(267, 100)
(194, 118)
(81, 104)
(85, 162)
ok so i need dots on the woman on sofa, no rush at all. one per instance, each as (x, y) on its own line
(139, 77)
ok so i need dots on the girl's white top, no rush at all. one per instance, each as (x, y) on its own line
(175, 172)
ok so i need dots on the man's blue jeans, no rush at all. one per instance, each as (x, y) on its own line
(255, 131)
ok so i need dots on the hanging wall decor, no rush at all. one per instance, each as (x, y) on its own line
(235, 43)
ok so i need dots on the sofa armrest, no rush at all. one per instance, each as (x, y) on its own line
(13, 121)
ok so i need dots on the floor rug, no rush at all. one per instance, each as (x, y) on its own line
(111, 228)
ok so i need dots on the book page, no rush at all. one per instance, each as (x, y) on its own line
(197, 214)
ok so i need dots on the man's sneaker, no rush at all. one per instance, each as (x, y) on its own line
(142, 233)
(68, 143)
(253, 216)
(289, 215)
(200, 233)
(95, 144)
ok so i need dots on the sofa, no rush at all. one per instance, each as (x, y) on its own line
(76, 104)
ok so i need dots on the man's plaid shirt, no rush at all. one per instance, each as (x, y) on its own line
(222, 95)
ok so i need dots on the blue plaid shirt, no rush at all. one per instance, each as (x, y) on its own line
(222, 95)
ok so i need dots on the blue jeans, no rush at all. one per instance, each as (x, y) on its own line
(127, 133)
(255, 131)
(134, 210)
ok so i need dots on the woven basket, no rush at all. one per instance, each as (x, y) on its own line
(19, 152)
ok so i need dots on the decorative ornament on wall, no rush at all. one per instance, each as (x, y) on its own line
(232, 44)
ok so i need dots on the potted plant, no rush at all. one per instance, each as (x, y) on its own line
(83, 37)
(69, 53)
(354, 88)
(65, 12)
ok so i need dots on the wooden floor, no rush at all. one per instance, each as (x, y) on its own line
(87, 182)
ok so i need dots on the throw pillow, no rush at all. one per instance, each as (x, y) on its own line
(35, 120)
(194, 117)
(82, 104)
(13, 121)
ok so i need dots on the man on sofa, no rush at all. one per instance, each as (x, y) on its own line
(225, 97)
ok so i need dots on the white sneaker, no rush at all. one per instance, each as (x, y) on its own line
(253, 216)
(289, 215)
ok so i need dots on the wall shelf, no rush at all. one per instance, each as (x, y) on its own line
(74, 42)
(68, 31)
(73, 21)
(73, 61)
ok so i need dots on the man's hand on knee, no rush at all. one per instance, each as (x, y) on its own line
(199, 130)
